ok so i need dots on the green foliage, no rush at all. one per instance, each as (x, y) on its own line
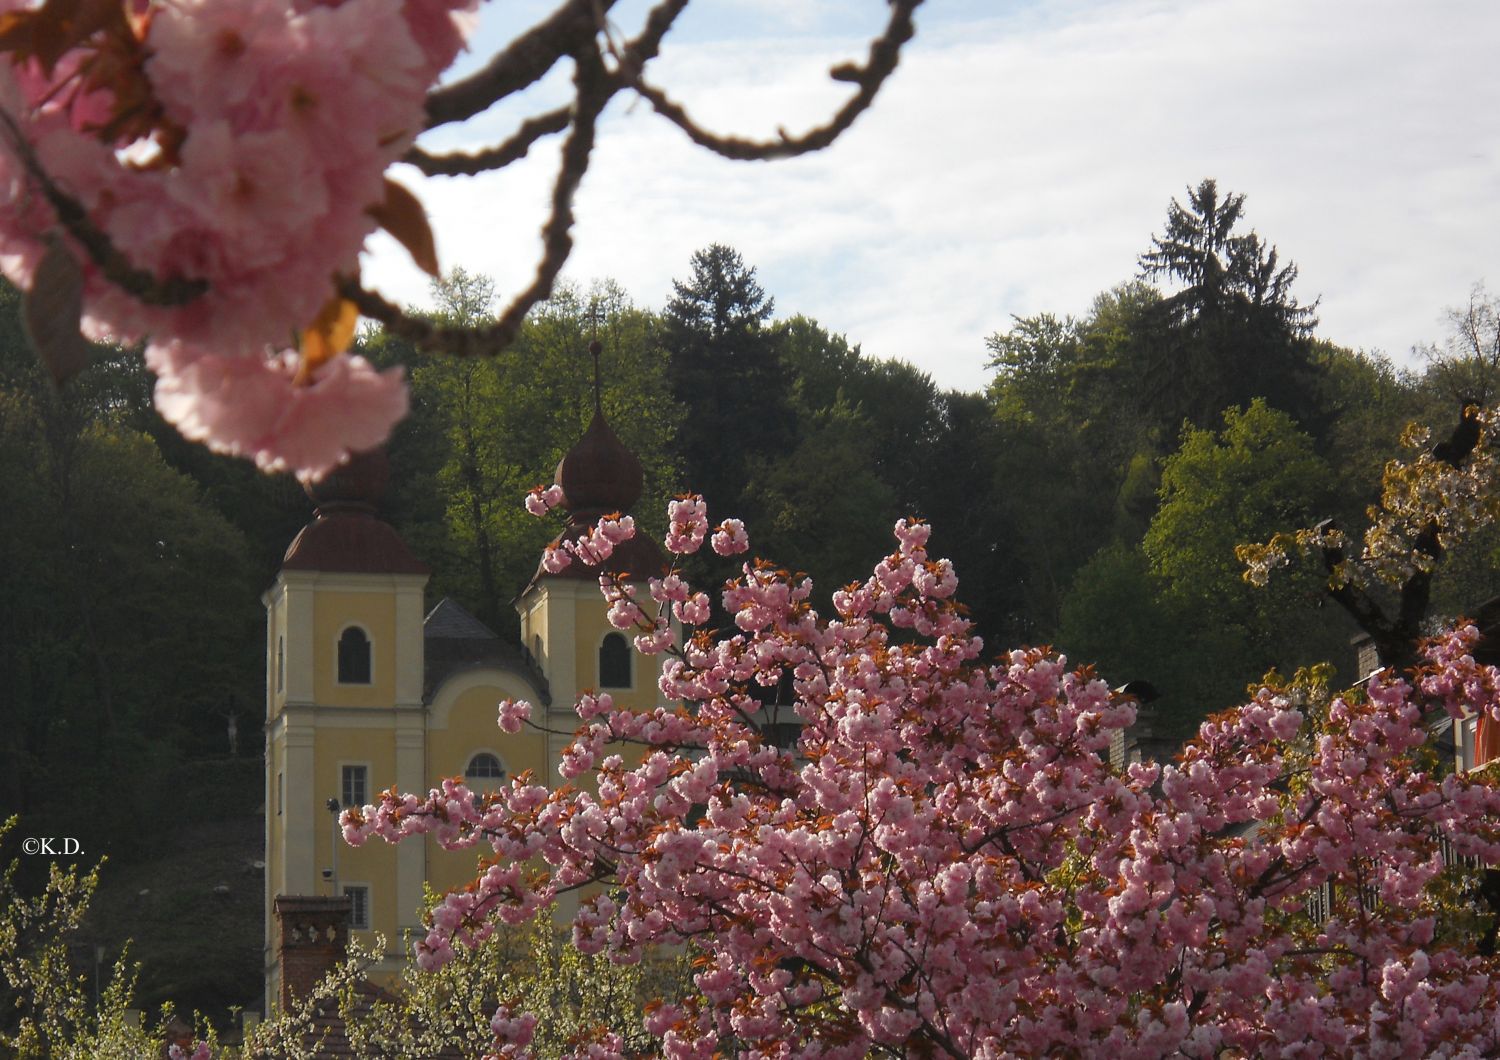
(47, 1010)
(1233, 331)
(876, 440)
(727, 373)
(1076, 461)
(483, 431)
(1369, 401)
(824, 504)
(1259, 474)
(1222, 488)
(118, 654)
(531, 967)
(1117, 581)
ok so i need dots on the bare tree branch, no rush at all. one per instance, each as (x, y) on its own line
(885, 51)
(637, 53)
(525, 61)
(462, 164)
(113, 264)
(594, 88)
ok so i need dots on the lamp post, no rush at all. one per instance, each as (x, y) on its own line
(333, 809)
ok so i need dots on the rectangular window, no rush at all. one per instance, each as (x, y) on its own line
(355, 786)
(359, 916)
(280, 663)
(280, 792)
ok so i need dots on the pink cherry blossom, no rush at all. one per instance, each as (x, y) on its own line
(945, 862)
(286, 116)
(543, 499)
(730, 538)
(253, 407)
(687, 520)
(513, 714)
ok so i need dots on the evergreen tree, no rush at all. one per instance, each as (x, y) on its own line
(727, 371)
(1234, 330)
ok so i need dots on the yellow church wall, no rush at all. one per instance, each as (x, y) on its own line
(276, 655)
(468, 725)
(462, 724)
(592, 625)
(373, 747)
(375, 613)
(372, 865)
(275, 832)
(534, 629)
(336, 748)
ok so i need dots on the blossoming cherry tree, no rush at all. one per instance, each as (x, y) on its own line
(946, 863)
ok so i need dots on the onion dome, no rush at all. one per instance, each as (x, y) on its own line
(345, 534)
(599, 476)
(359, 483)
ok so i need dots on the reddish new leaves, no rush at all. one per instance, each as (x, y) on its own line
(946, 865)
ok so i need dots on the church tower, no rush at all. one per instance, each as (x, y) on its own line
(364, 693)
(563, 623)
(344, 703)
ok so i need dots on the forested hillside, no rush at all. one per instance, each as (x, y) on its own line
(1090, 498)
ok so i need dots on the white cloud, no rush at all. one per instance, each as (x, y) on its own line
(1019, 165)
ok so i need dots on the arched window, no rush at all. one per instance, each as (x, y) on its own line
(614, 662)
(484, 771)
(354, 657)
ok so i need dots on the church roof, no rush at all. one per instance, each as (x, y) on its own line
(598, 476)
(351, 542)
(449, 620)
(454, 641)
(345, 534)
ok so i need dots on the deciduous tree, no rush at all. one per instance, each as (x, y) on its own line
(946, 864)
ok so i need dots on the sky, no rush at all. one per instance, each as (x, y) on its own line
(1017, 162)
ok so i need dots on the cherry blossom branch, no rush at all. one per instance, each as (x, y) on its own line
(113, 264)
(1131, 910)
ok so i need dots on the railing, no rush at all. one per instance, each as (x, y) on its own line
(1320, 902)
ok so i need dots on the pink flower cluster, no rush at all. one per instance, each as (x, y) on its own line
(945, 862)
(542, 499)
(687, 525)
(592, 547)
(289, 113)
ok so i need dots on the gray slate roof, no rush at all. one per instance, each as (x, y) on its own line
(455, 641)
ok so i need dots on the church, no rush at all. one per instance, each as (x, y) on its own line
(369, 687)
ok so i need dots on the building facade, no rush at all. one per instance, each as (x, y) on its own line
(367, 689)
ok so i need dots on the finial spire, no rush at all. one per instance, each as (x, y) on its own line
(595, 349)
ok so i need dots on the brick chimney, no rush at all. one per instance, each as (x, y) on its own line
(312, 939)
